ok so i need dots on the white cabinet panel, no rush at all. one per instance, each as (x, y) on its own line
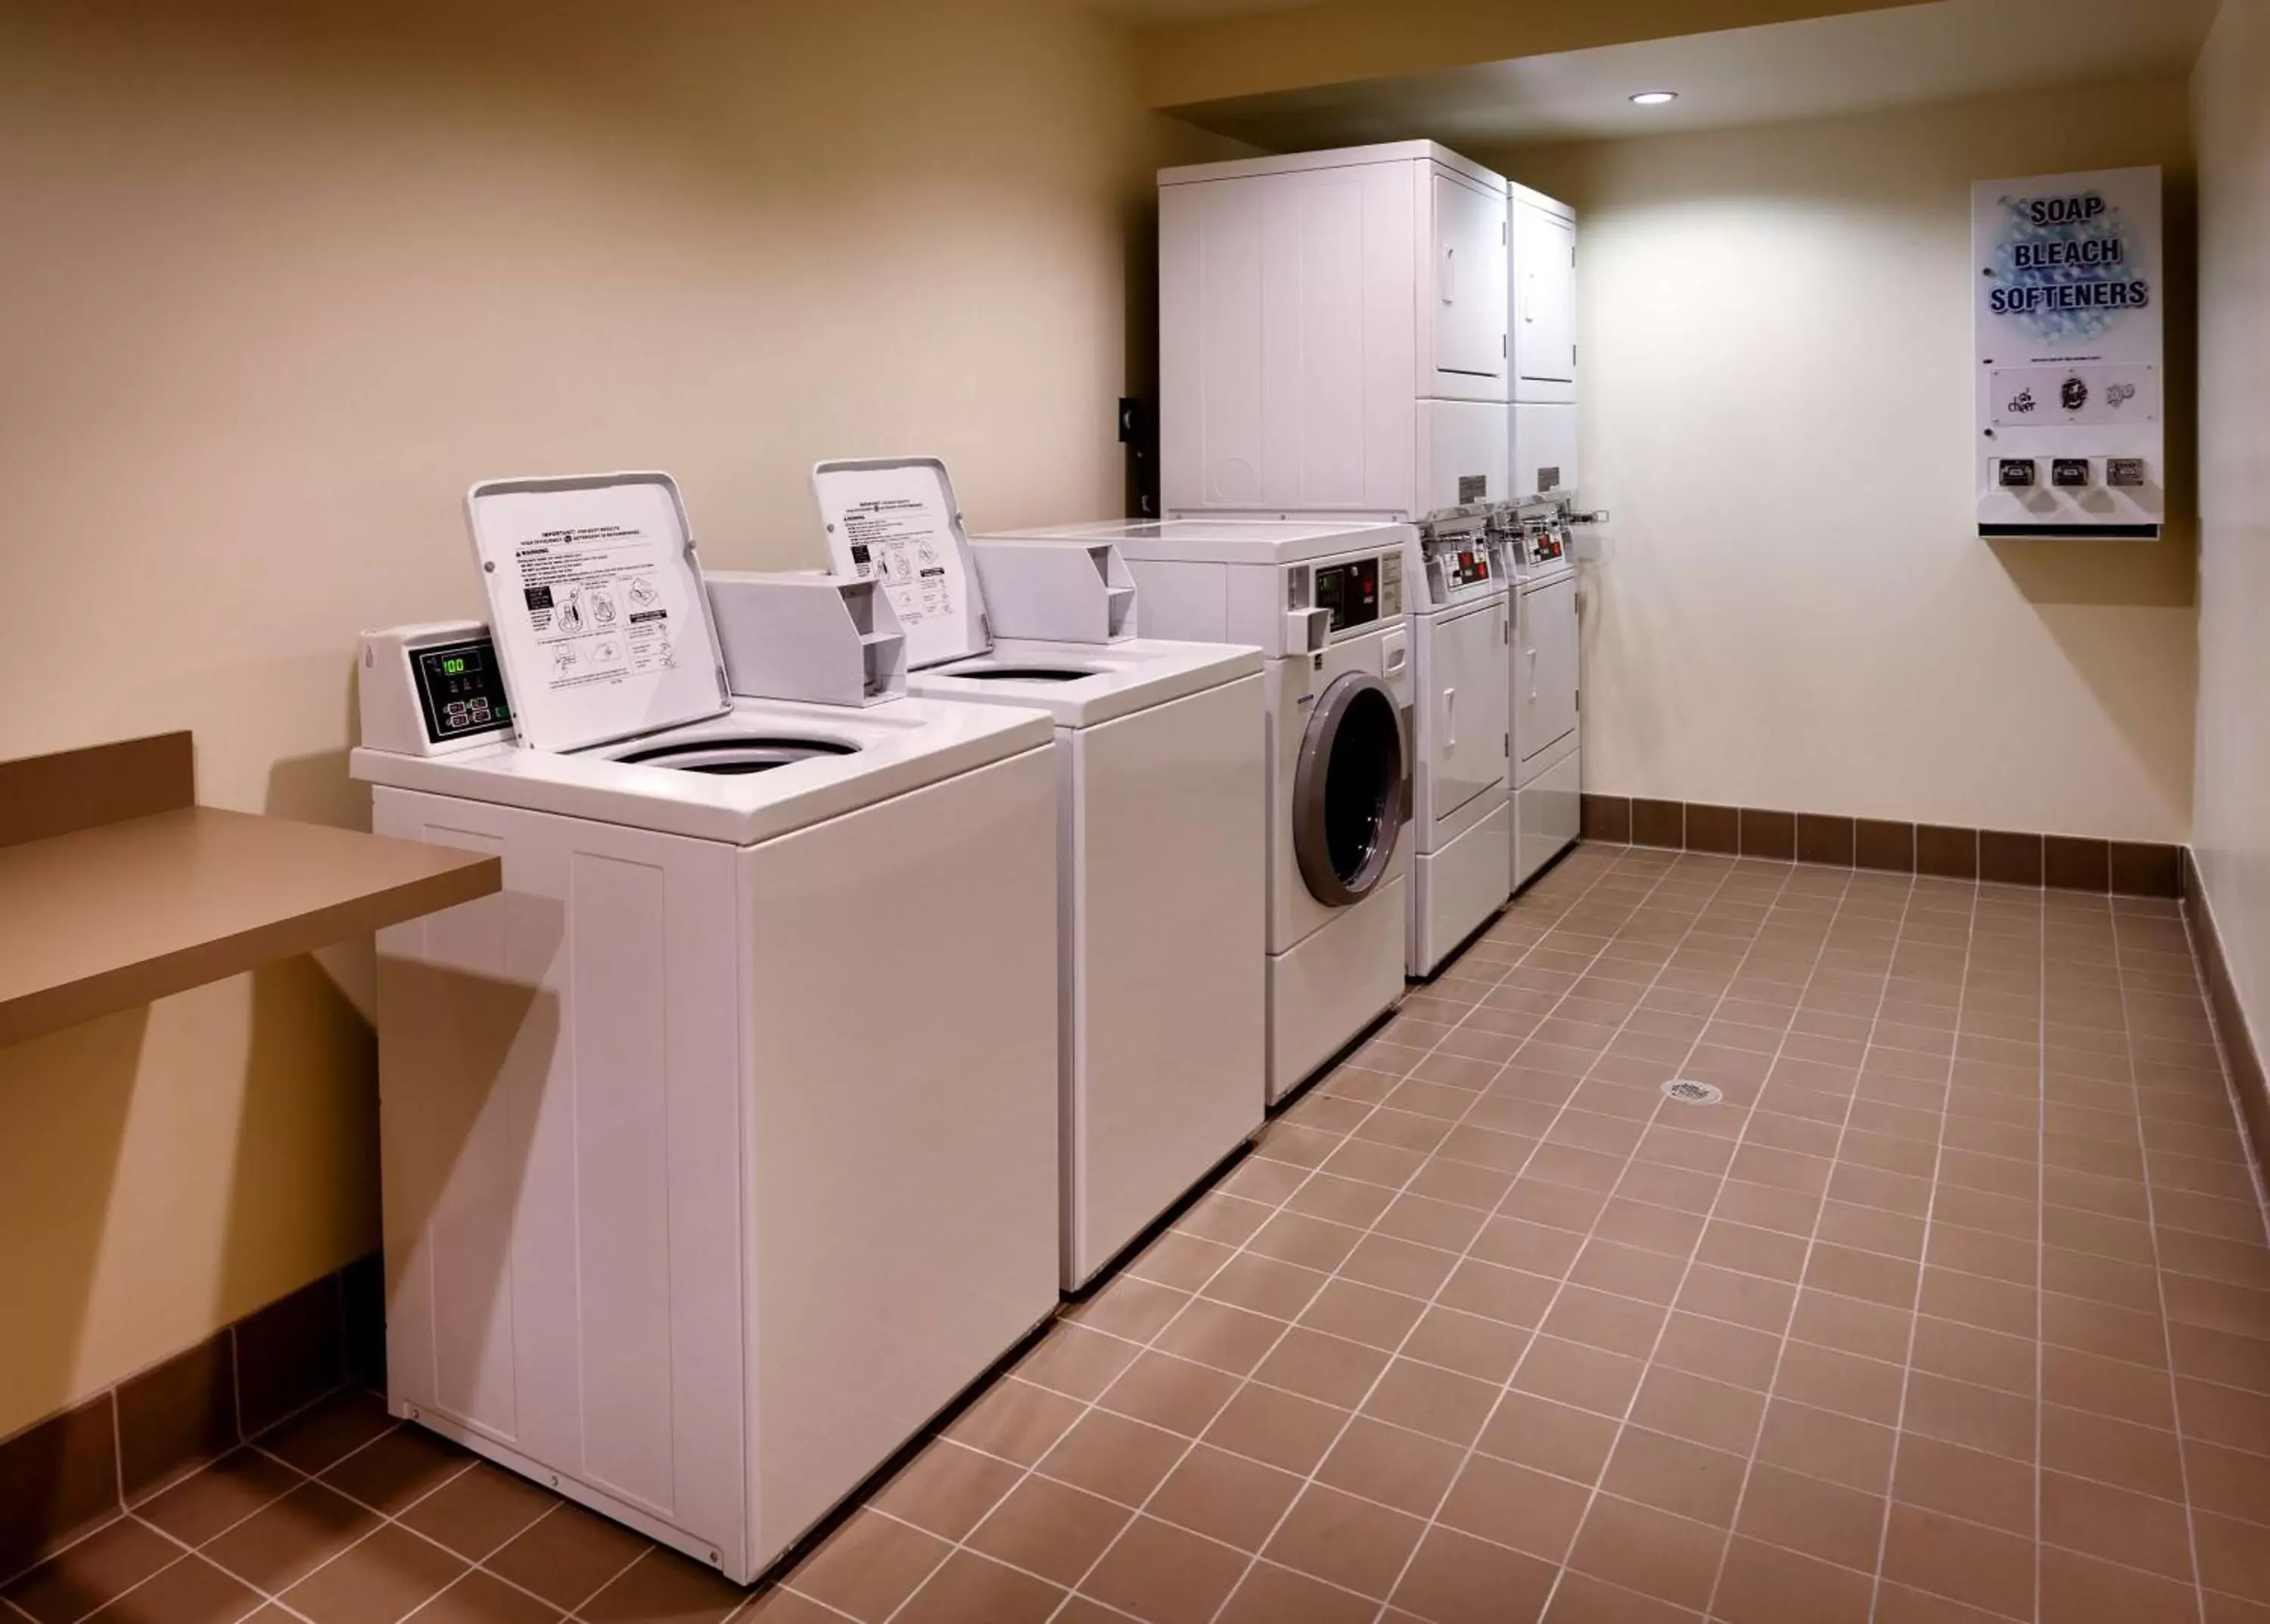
(1544, 460)
(1544, 304)
(1310, 307)
(1465, 692)
(1544, 669)
(1469, 288)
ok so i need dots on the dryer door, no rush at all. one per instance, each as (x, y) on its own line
(1348, 802)
(1463, 670)
(1470, 303)
(1544, 669)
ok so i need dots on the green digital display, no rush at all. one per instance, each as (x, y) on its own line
(454, 665)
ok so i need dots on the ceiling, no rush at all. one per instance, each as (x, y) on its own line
(1810, 69)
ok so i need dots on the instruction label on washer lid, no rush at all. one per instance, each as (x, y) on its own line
(895, 525)
(593, 600)
(593, 595)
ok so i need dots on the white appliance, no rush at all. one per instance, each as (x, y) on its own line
(1543, 321)
(1462, 815)
(1162, 901)
(1324, 603)
(1332, 332)
(719, 1148)
(1547, 761)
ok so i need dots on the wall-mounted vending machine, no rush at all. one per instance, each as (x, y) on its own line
(2072, 419)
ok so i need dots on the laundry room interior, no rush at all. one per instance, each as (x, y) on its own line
(1190, 811)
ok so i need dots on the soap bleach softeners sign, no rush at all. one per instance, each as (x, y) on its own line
(2068, 318)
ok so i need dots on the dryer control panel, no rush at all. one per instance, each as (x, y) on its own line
(1544, 544)
(1457, 565)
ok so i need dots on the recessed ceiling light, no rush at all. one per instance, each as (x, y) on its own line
(1654, 98)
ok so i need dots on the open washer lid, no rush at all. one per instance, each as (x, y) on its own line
(895, 519)
(602, 627)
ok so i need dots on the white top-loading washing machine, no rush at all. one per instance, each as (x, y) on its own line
(720, 1148)
(1547, 736)
(1162, 901)
(1324, 603)
(1462, 816)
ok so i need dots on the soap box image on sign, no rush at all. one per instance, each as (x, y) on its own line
(2068, 338)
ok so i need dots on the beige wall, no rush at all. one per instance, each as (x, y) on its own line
(1794, 609)
(2232, 127)
(276, 289)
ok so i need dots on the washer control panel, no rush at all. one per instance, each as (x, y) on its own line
(1358, 593)
(429, 690)
(1349, 593)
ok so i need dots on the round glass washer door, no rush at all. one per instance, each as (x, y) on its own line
(1347, 790)
(733, 754)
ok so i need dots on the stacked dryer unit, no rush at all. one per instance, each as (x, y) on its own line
(1547, 765)
(1162, 895)
(1542, 318)
(1324, 603)
(1333, 335)
(1334, 345)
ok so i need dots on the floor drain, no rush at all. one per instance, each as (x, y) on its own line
(1692, 1093)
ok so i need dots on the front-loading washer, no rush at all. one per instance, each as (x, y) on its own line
(1324, 603)
(1162, 888)
(1462, 739)
(719, 1148)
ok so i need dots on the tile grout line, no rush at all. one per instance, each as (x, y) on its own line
(1560, 1566)
(1572, 917)
(1249, 1380)
(1624, 1421)
(1310, 1478)
(2224, 1044)
(1805, 1268)
(386, 1519)
(1732, 1268)
(1505, 975)
(1931, 1207)
(128, 1512)
(1542, 1472)
(134, 1514)
(2160, 1289)
(2040, 1228)
(1433, 1520)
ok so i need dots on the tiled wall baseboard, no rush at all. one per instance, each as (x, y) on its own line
(65, 1475)
(2063, 862)
(2248, 1078)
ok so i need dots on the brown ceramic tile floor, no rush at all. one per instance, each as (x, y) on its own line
(1956, 1307)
